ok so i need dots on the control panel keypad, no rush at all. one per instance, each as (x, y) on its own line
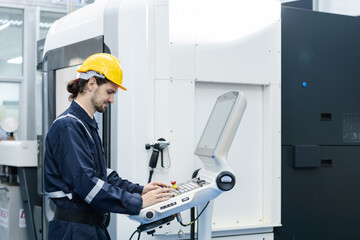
(190, 185)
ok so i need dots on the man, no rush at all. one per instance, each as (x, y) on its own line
(75, 173)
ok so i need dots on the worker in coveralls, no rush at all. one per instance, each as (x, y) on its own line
(76, 177)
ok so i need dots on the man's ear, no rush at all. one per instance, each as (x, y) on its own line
(92, 84)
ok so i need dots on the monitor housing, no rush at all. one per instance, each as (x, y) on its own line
(219, 132)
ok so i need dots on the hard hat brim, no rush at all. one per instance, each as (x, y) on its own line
(122, 88)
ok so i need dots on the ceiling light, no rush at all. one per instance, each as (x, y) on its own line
(16, 60)
(2, 27)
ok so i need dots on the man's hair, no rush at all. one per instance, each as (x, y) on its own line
(77, 86)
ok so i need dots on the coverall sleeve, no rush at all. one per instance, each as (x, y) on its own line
(77, 167)
(115, 180)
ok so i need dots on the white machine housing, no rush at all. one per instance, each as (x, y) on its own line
(19, 153)
(177, 57)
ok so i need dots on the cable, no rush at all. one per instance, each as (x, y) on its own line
(136, 231)
(133, 234)
(195, 173)
(185, 225)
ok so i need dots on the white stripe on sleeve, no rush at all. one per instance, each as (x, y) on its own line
(96, 189)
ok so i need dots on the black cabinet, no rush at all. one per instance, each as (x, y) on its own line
(320, 126)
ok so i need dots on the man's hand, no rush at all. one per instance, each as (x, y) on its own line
(159, 194)
(153, 186)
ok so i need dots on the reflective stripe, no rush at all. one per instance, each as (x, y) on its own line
(59, 194)
(70, 115)
(94, 191)
(109, 171)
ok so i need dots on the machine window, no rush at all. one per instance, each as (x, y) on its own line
(46, 20)
(9, 104)
(11, 38)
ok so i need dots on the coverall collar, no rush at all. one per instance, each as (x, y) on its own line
(83, 114)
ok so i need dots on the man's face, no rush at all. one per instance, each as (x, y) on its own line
(103, 96)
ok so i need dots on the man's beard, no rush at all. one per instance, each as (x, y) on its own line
(99, 105)
(100, 108)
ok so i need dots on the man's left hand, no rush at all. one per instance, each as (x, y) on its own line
(154, 185)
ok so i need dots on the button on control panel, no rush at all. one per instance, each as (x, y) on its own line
(185, 199)
(193, 184)
(168, 205)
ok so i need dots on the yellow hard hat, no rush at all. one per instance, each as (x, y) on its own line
(105, 64)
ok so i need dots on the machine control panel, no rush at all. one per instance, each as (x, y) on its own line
(183, 194)
(216, 176)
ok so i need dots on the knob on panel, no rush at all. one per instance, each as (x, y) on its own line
(149, 214)
(225, 181)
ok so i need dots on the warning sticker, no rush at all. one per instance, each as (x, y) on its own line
(4, 217)
(22, 222)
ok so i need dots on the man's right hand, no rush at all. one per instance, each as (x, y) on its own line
(155, 196)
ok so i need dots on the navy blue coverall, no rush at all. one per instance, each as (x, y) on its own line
(76, 177)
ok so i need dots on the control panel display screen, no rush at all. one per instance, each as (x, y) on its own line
(216, 124)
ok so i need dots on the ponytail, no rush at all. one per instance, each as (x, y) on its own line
(75, 87)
